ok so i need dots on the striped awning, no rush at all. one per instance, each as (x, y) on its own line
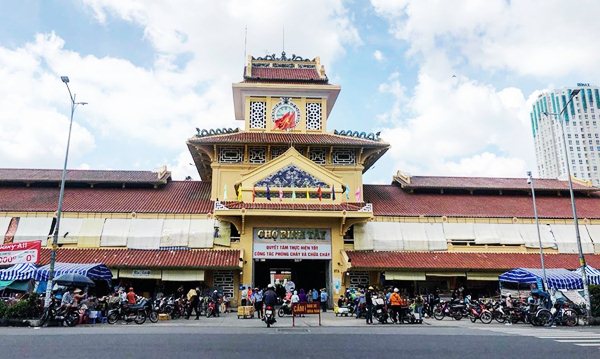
(558, 278)
(593, 274)
(22, 271)
(94, 271)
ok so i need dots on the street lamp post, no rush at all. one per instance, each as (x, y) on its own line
(50, 282)
(537, 224)
(582, 264)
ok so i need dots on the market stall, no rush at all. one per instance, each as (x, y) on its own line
(593, 274)
(558, 278)
(17, 278)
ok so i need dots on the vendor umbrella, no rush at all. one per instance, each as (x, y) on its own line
(74, 279)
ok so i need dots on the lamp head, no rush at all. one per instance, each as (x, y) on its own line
(528, 177)
(65, 79)
(575, 92)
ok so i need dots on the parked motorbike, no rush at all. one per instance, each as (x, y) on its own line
(211, 309)
(448, 309)
(128, 313)
(63, 315)
(285, 309)
(269, 317)
(150, 308)
(380, 311)
(478, 310)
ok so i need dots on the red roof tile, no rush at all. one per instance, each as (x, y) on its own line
(286, 74)
(469, 183)
(324, 206)
(391, 200)
(136, 258)
(284, 138)
(480, 261)
(174, 197)
(85, 176)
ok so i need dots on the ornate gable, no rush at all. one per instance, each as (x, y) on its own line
(289, 173)
(291, 176)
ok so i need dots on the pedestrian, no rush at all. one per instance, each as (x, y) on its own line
(215, 297)
(131, 297)
(396, 302)
(315, 295)
(244, 297)
(369, 305)
(192, 297)
(302, 296)
(258, 301)
(324, 298)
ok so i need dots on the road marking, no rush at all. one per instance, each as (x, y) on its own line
(584, 339)
(588, 344)
(578, 340)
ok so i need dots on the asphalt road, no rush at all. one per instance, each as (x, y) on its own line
(131, 341)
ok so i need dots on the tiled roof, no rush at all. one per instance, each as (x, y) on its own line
(468, 183)
(83, 176)
(391, 200)
(285, 74)
(174, 197)
(323, 206)
(136, 258)
(445, 260)
(284, 138)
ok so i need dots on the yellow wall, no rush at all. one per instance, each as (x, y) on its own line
(298, 101)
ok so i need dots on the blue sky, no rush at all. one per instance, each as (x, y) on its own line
(449, 84)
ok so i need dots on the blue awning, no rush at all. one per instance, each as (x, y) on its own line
(592, 273)
(94, 271)
(557, 278)
(23, 271)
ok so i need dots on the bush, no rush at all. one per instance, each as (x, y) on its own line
(3, 307)
(595, 299)
(26, 308)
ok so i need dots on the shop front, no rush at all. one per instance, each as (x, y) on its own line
(300, 255)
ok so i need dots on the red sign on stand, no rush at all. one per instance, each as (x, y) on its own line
(21, 252)
(304, 309)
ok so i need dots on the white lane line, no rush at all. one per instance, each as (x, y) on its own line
(578, 341)
(571, 337)
(588, 344)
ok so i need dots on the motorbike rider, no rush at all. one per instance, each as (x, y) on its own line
(67, 298)
(270, 297)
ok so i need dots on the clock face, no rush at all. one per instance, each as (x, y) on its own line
(285, 115)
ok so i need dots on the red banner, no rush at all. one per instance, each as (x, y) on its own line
(22, 252)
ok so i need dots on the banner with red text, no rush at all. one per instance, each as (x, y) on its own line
(292, 243)
(21, 252)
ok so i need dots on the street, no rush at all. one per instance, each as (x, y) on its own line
(231, 338)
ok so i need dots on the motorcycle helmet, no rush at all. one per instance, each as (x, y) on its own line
(270, 286)
(371, 288)
(396, 290)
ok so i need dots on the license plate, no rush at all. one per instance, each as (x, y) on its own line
(269, 312)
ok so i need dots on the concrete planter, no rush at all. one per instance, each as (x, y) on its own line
(19, 322)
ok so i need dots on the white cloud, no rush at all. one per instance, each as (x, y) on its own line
(533, 38)
(458, 125)
(199, 49)
(378, 55)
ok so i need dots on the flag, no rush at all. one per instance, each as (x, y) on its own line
(253, 193)
(286, 121)
(333, 193)
(347, 192)
(225, 192)
(293, 192)
(319, 193)
(268, 193)
(240, 193)
(357, 194)
(280, 194)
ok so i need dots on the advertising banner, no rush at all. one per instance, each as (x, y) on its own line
(292, 243)
(21, 252)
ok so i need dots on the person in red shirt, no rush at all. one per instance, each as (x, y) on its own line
(131, 297)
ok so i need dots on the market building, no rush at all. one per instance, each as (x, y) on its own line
(283, 199)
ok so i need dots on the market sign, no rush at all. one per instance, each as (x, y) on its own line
(21, 252)
(292, 243)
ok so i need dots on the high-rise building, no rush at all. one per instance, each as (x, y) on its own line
(582, 133)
